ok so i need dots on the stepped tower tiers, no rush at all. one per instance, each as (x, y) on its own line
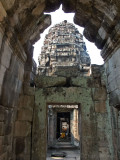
(64, 48)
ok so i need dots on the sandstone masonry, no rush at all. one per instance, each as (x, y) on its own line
(63, 48)
(21, 22)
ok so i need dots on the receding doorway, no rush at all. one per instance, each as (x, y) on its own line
(63, 131)
(55, 98)
(63, 126)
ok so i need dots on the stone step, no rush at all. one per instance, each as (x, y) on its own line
(63, 154)
(64, 145)
(58, 154)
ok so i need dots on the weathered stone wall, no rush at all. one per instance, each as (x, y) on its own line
(11, 79)
(91, 94)
(113, 87)
(20, 25)
(15, 77)
(23, 124)
(113, 78)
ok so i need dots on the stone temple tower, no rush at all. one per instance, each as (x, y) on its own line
(64, 49)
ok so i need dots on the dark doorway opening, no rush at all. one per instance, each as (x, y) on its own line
(63, 126)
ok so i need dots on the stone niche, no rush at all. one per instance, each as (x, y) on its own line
(89, 93)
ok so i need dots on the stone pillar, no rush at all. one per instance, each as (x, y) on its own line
(51, 128)
(71, 127)
(75, 123)
(75, 127)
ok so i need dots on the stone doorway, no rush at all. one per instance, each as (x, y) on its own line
(80, 92)
(54, 96)
(63, 132)
(63, 124)
(65, 96)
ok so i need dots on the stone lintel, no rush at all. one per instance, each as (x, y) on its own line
(46, 81)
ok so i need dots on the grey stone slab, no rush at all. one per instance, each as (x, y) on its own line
(46, 81)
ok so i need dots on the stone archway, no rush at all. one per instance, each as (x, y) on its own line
(20, 25)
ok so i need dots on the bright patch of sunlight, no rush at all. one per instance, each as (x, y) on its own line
(57, 158)
(57, 17)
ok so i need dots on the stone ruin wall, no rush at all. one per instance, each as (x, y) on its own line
(20, 25)
(90, 93)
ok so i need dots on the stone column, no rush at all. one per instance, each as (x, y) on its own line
(51, 128)
(71, 127)
(75, 123)
(55, 126)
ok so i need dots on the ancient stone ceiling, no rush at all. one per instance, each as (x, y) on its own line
(26, 18)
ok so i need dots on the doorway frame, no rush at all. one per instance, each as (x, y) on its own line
(60, 95)
(79, 118)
